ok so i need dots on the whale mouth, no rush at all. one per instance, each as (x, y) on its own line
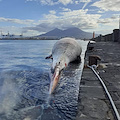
(55, 80)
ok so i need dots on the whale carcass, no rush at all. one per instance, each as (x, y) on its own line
(64, 51)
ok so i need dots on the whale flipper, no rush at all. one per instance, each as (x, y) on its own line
(49, 57)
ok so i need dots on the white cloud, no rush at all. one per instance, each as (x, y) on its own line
(43, 2)
(18, 21)
(73, 13)
(11, 29)
(107, 5)
(112, 21)
(66, 9)
(75, 18)
(48, 2)
(65, 2)
(72, 18)
(31, 33)
(50, 16)
(52, 12)
(67, 18)
(100, 11)
(107, 25)
(52, 2)
(86, 1)
(105, 21)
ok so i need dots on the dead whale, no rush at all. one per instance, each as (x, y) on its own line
(64, 51)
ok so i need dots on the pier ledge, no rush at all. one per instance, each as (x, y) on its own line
(93, 103)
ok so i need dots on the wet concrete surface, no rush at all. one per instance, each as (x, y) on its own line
(93, 103)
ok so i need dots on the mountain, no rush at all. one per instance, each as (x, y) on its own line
(70, 32)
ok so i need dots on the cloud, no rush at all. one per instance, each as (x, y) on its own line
(73, 18)
(43, 2)
(107, 25)
(44, 26)
(67, 18)
(104, 21)
(18, 21)
(48, 2)
(12, 30)
(65, 2)
(50, 16)
(52, 12)
(66, 9)
(100, 11)
(52, 2)
(86, 3)
(112, 21)
(108, 5)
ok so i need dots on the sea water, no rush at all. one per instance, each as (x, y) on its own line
(25, 77)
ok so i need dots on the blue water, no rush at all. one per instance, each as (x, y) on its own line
(25, 79)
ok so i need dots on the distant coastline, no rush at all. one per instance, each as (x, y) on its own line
(36, 38)
(29, 38)
(54, 34)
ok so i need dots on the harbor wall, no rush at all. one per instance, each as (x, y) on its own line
(113, 37)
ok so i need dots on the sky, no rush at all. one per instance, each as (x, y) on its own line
(35, 17)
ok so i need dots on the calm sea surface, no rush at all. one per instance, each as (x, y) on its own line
(25, 78)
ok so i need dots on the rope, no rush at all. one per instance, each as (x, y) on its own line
(107, 92)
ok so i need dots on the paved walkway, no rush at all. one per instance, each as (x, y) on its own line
(93, 103)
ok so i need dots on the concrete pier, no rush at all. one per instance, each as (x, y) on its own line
(93, 103)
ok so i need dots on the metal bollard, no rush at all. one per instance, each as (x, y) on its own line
(93, 59)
